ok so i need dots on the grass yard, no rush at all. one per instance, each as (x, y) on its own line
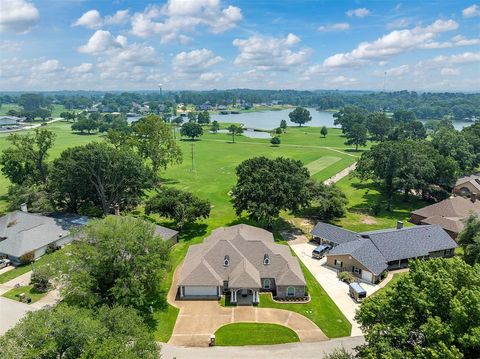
(213, 176)
(29, 292)
(238, 334)
(361, 199)
(321, 309)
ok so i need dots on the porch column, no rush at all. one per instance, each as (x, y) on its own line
(255, 296)
(233, 296)
(181, 292)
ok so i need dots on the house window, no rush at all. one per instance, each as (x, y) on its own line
(266, 283)
(356, 270)
(226, 261)
(290, 291)
(266, 259)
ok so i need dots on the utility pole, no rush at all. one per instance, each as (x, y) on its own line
(193, 159)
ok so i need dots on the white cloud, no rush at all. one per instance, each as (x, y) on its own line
(361, 12)
(18, 16)
(394, 43)
(471, 11)
(341, 81)
(91, 19)
(448, 61)
(194, 62)
(340, 26)
(82, 68)
(10, 46)
(398, 71)
(268, 53)
(211, 76)
(448, 71)
(47, 67)
(177, 17)
(120, 17)
(102, 41)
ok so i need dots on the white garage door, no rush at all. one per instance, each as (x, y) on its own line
(366, 275)
(199, 291)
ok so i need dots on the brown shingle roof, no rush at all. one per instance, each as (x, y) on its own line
(243, 244)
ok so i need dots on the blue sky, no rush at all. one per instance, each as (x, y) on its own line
(206, 44)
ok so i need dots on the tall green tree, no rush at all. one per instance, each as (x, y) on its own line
(324, 131)
(454, 144)
(472, 135)
(235, 130)
(191, 129)
(357, 135)
(329, 202)
(265, 187)
(117, 260)
(431, 312)
(183, 207)
(348, 116)
(283, 124)
(379, 126)
(406, 166)
(154, 140)
(402, 115)
(300, 115)
(192, 116)
(469, 239)
(204, 118)
(25, 161)
(31, 101)
(215, 127)
(69, 332)
(99, 175)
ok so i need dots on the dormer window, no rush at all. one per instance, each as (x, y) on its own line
(266, 259)
(226, 261)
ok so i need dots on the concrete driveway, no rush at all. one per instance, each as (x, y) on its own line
(327, 278)
(11, 312)
(198, 319)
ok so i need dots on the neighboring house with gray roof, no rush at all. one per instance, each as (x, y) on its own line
(241, 260)
(448, 214)
(167, 234)
(368, 254)
(326, 233)
(23, 232)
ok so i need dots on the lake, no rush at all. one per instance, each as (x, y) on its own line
(269, 120)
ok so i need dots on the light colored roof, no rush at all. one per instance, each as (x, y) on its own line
(165, 233)
(22, 232)
(245, 247)
(450, 207)
(473, 179)
(449, 213)
(245, 275)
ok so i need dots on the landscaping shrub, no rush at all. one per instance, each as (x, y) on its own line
(346, 277)
(27, 258)
(339, 353)
(40, 281)
(275, 141)
(52, 247)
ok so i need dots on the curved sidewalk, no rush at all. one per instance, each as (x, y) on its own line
(198, 319)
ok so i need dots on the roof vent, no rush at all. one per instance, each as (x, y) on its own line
(226, 261)
(266, 259)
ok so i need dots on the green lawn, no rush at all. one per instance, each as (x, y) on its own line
(237, 334)
(57, 109)
(361, 198)
(321, 309)
(212, 177)
(64, 139)
(29, 292)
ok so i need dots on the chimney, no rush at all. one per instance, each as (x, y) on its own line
(23, 207)
(473, 197)
(399, 224)
(117, 209)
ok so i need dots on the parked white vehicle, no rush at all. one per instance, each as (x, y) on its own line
(4, 263)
